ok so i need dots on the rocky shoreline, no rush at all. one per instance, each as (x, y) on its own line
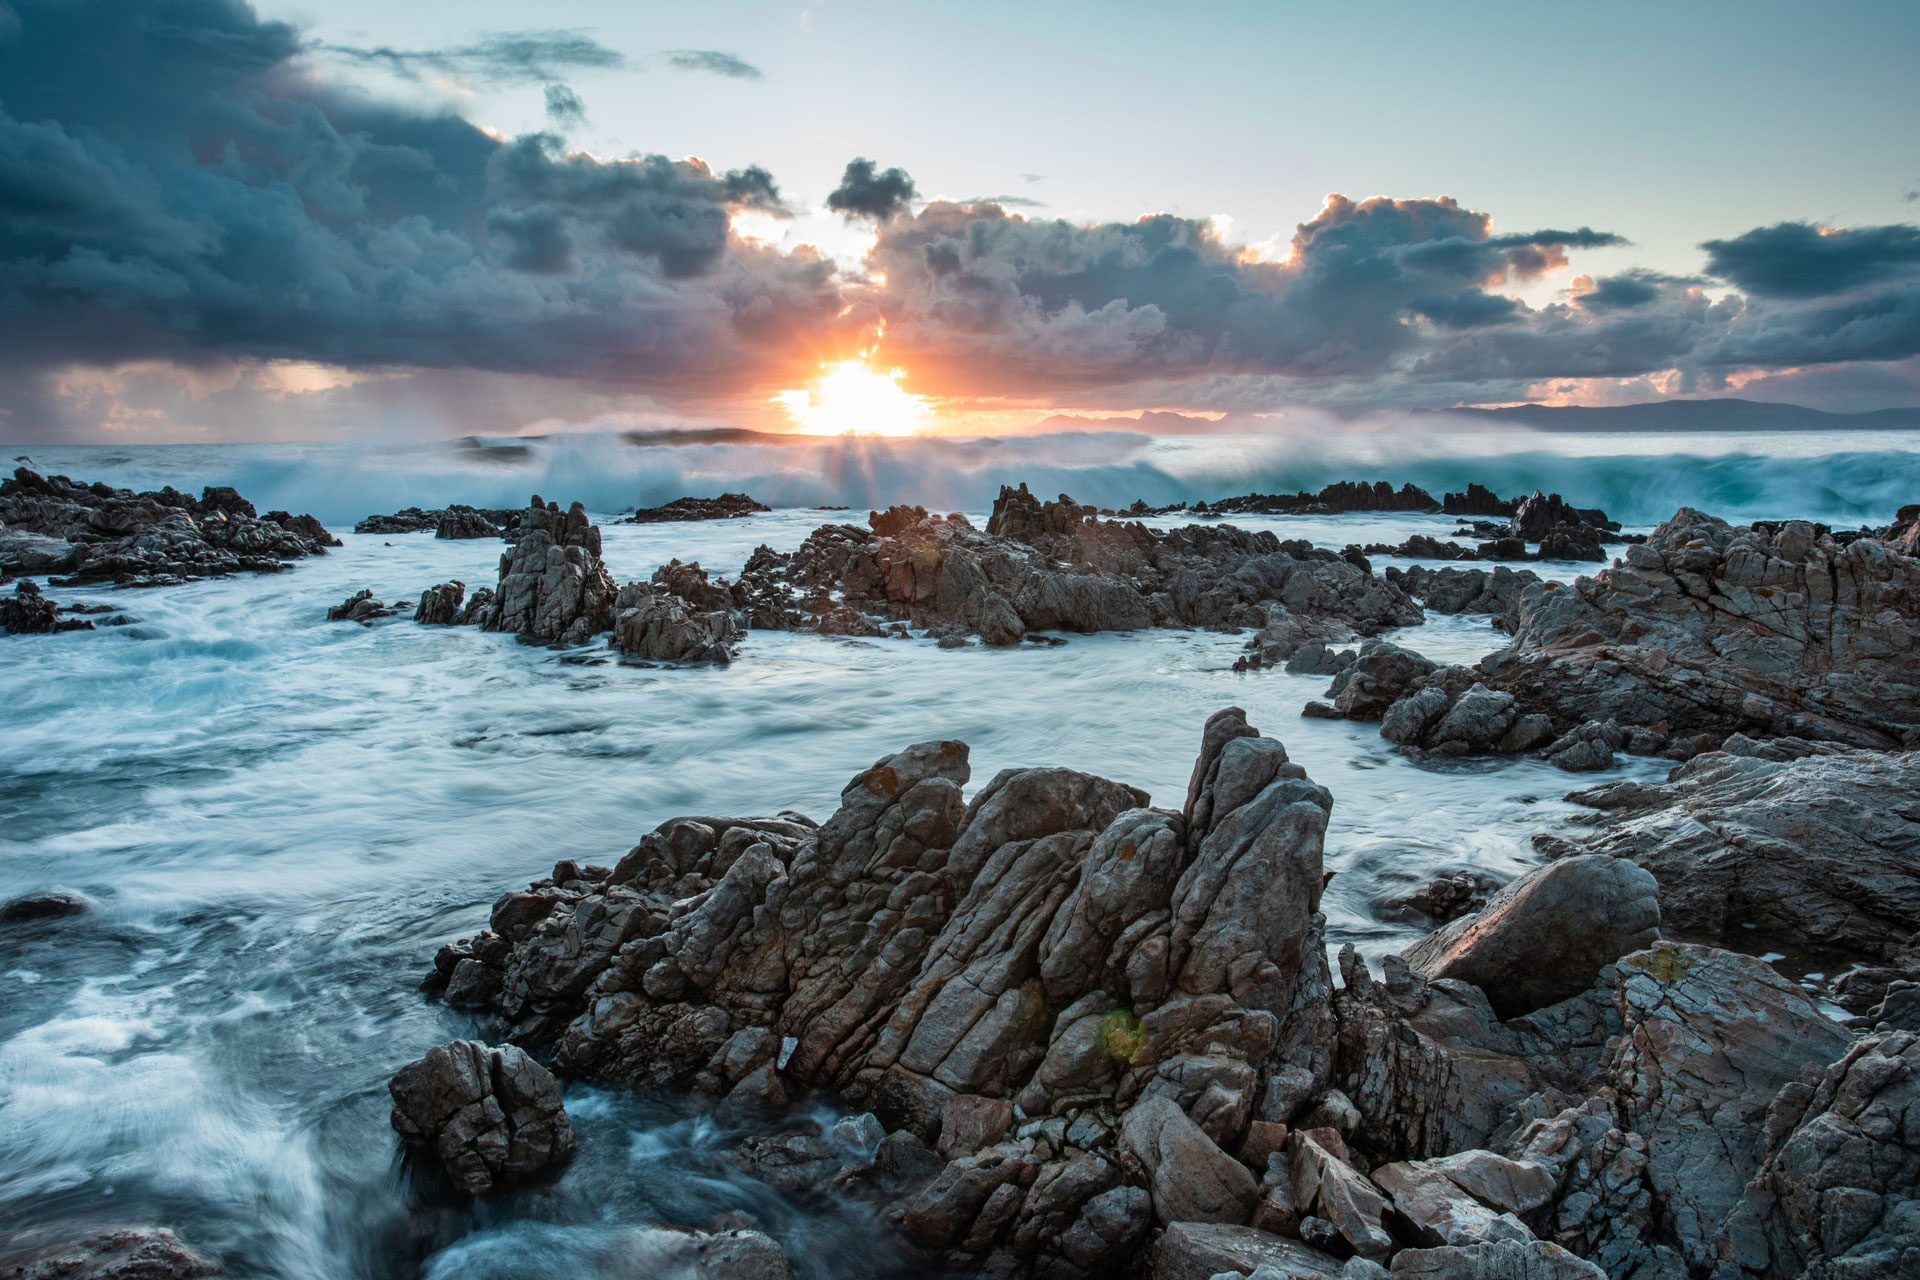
(1081, 1036)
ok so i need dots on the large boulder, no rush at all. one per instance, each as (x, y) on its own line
(1544, 937)
(490, 1117)
(1201, 1251)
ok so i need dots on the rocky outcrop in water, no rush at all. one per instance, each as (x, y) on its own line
(96, 533)
(440, 606)
(1813, 848)
(553, 588)
(728, 506)
(1056, 566)
(1497, 591)
(141, 1253)
(455, 521)
(360, 607)
(30, 612)
(679, 616)
(1115, 1025)
(1338, 498)
(488, 1117)
(1703, 632)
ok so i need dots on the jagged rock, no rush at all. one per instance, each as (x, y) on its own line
(1478, 500)
(1456, 591)
(96, 533)
(728, 506)
(459, 522)
(1502, 1260)
(553, 587)
(1380, 676)
(678, 617)
(440, 606)
(1056, 566)
(1461, 1199)
(1052, 942)
(29, 612)
(1822, 850)
(359, 607)
(1544, 937)
(1772, 631)
(490, 1117)
(478, 606)
(1191, 1179)
(128, 1254)
(1838, 1194)
(1325, 1186)
(1200, 1250)
(1709, 1038)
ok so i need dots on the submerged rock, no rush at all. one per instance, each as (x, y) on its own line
(490, 1117)
(359, 607)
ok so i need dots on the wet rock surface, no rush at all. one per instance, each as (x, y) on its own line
(96, 533)
(29, 611)
(553, 587)
(455, 521)
(140, 1253)
(489, 1117)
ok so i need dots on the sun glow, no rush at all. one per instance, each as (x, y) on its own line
(850, 397)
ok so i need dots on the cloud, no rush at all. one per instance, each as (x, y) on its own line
(1801, 260)
(1011, 202)
(1623, 292)
(511, 57)
(180, 185)
(712, 61)
(564, 107)
(863, 193)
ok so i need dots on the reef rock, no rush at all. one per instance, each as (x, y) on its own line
(490, 1117)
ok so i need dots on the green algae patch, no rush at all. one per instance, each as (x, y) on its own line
(1123, 1035)
(1662, 962)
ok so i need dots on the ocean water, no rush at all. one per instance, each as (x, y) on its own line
(277, 819)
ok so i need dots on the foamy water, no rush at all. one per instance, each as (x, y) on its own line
(278, 819)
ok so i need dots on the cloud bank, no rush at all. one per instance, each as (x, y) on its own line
(187, 186)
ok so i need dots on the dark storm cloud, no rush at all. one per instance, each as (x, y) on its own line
(865, 193)
(175, 183)
(712, 61)
(1801, 260)
(501, 58)
(1627, 290)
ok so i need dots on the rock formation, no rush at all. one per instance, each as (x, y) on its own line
(728, 506)
(678, 616)
(360, 607)
(440, 606)
(455, 521)
(489, 1117)
(96, 533)
(29, 612)
(1814, 848)
(1056, 566)
(138, 1253)
(553, 588)
(1703, 632)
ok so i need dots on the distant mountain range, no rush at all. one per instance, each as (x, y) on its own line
(1689, 415)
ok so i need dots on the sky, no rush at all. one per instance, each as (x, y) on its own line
(356, 219)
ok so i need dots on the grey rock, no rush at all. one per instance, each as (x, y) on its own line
(1504, 1260)
(490, 1117)
(141, 1253)
(1543, 937)
(1199, 1251)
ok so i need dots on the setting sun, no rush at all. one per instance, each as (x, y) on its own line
(849, 396)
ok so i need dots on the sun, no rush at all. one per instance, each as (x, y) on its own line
(850, 397)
